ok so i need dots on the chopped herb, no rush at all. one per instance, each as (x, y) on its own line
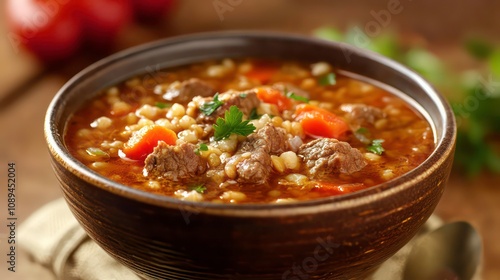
(376, 147)
(163, 105)
(361, 133)
(199, 188)
(362, 130)
(232, 123)
(209, 108)
(294, 96)
(96, 152)
(327, 80)
(201, 147)
(254, 115)
(243, 95)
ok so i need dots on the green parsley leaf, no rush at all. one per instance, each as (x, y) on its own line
(327, 80)
(254, 115)
(376, 147)
(232, 123)
(199, 188)
(201, 147)
(209, 108)
(294, 96)
(163, 105)
(243, 95)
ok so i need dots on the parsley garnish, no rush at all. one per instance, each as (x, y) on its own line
(376, 147)
(294, 96)
(201, 147)
(232, 123)
(254, 115)
(163, 105)
(361, 135)
(209, 107)
(327, 80)
(199, 188)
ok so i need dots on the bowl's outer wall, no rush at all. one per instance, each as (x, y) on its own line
(172, 240)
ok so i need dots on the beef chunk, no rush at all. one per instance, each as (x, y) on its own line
(246, 101)
(328, 155)
(255, 169)
(270, 138)
(261, 145)
(358, 114)
(174, 162)
(185, 91)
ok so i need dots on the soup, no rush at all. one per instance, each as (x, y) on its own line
(249, 131)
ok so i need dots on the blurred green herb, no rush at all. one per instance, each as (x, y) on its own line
(201, 148)
(254, 115)
(475, 98)
(327, 80)
(163, 105)
(294, 96)
(376, 147)
(199, 188)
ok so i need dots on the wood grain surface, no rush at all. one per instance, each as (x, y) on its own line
(26, 88)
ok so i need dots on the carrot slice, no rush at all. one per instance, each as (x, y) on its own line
(318, 122)
(143, 141)
(261, 72)
(274, 96)
(336, 188)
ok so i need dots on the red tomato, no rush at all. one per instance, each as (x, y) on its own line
(102, 20)
(152, 10)
(46, 28)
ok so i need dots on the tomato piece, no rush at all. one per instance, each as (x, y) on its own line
(48, 29)
(151, 11)
(329, 188)
(318, 122)
(103, 20)
(274, 96)
(143, 141)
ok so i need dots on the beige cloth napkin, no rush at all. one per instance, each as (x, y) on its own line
(54, 239)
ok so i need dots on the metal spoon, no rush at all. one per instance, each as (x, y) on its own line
(450, 252)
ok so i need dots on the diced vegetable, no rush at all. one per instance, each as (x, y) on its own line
(318, 122)
(274, 96)
(143, 141)
(96, 152)
(232, 124)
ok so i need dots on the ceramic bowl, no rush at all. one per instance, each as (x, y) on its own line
(342, 237)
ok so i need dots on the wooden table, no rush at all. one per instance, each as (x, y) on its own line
(27, 88)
